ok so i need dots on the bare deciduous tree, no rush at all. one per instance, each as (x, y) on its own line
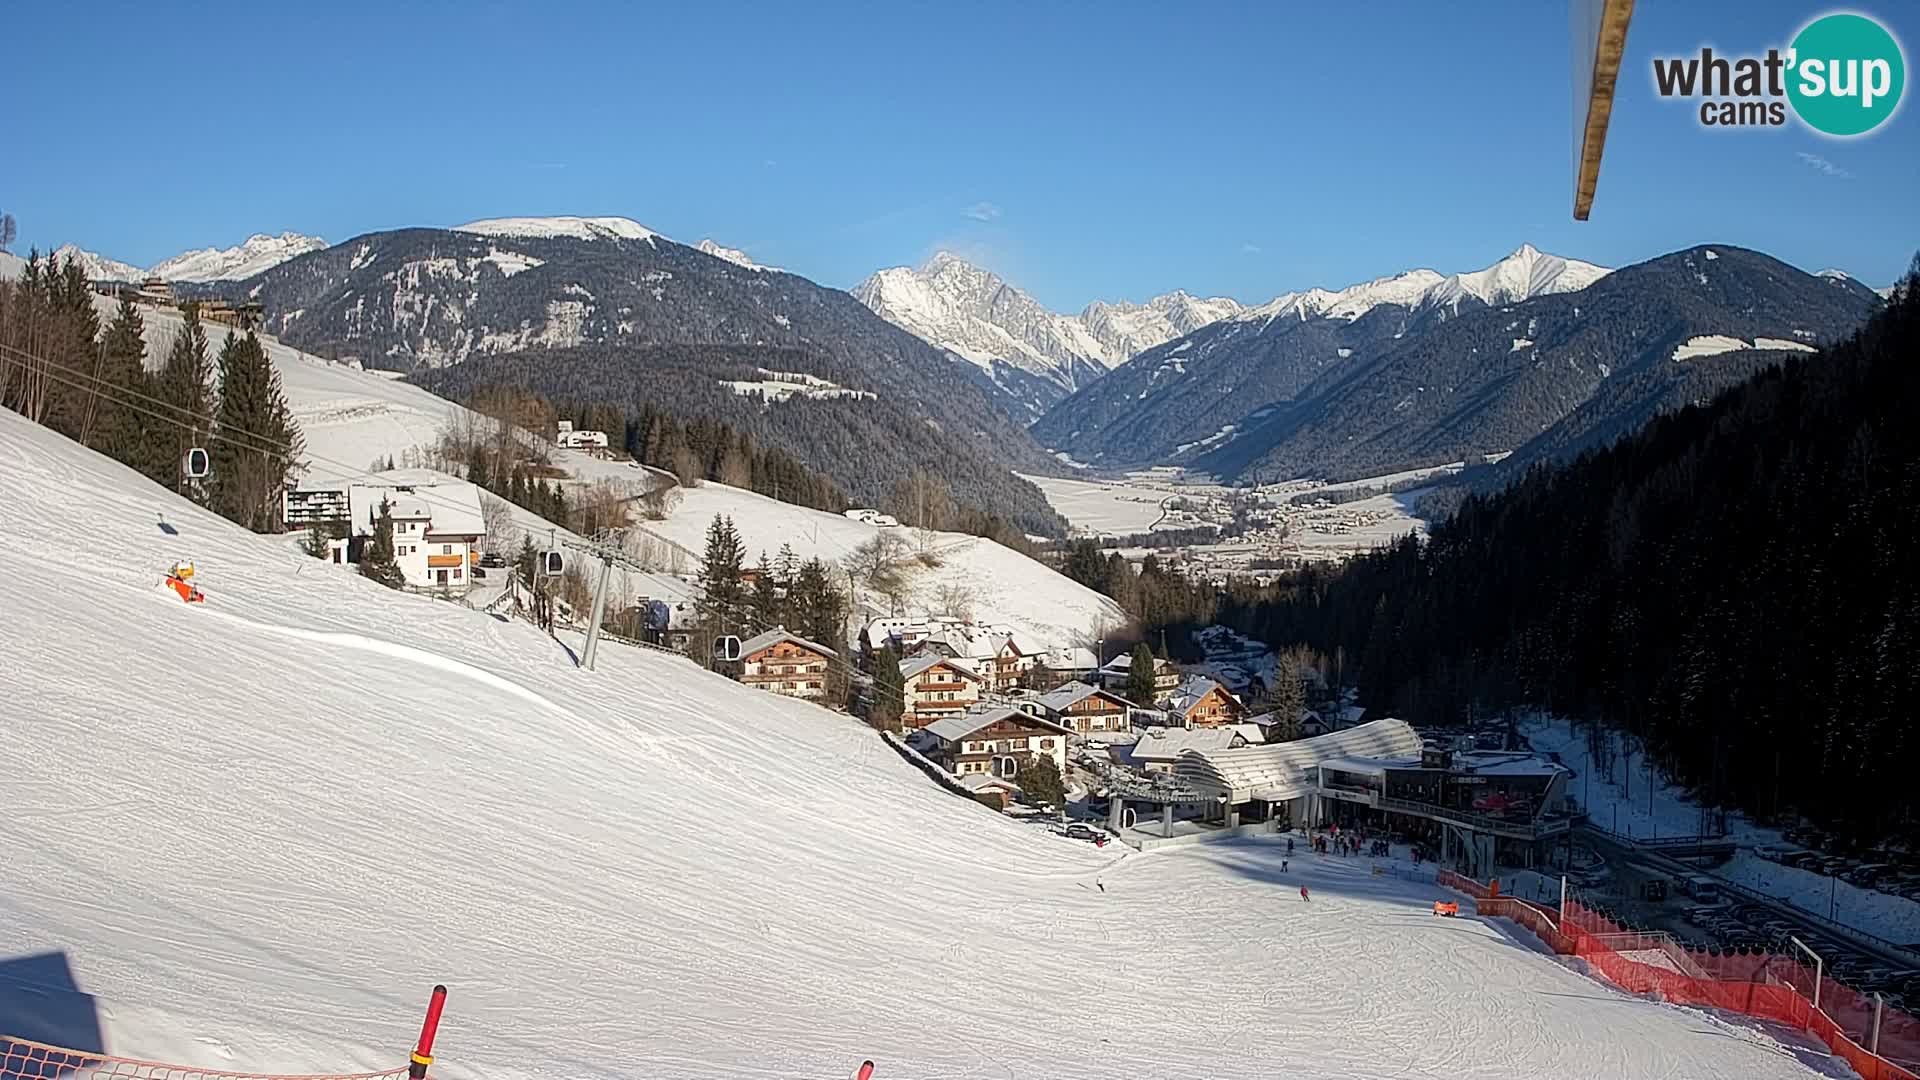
(503, 535)
(957, 599)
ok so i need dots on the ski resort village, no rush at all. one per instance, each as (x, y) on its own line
(928, 604)
(618, 728)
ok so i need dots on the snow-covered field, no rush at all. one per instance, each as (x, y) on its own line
(1001, 585)
(1096, 506)
(257, 830)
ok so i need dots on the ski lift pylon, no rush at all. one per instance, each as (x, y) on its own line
(726, 648)
(195, 464)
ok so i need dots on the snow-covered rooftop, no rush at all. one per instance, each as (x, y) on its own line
(961, 725)
(778, 634)
(1278, 770)
(452, 505)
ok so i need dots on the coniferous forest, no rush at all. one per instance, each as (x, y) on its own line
(1737, 585)
(99, 385)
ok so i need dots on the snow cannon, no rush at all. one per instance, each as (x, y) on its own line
(1446, 908)
(180, 580)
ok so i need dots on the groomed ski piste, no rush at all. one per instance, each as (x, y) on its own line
(256, 830)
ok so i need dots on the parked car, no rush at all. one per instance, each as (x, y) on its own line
(1779, 853)
(479, 574)
(493, 561)
(1701, 888)
(1866, 874)
(1805, 860)
(1080, 830)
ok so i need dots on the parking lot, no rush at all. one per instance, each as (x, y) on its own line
(1700, 913)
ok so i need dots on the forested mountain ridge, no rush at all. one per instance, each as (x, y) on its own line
(1411, 382)
(630, 300)
(1737, 584)
(862, 444)
(1194, 394)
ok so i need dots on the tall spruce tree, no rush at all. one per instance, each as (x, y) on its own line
(256, 444)
(123, 425)
(816, 608)
(1140, 688)
(722, 593)
(889, 691)
(186, 385)
(377, 559)
(763, 602)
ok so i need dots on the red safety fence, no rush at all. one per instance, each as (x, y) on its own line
(24, 1059)
(1769, 986)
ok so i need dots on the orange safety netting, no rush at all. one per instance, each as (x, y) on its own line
(22, 1059)
(1770, 986)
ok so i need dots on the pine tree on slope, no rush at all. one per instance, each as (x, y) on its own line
(121, 428)
(1140, 688)
(257, 445)
(377, 561)
(889, 691)
(186, 385)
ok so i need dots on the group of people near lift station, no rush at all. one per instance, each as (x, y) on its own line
(1351, 843)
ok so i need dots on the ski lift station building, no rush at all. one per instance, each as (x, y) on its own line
(1469, 807)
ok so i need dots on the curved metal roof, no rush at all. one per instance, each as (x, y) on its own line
(1278, 771)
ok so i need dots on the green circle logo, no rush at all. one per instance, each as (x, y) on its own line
(1846, 74)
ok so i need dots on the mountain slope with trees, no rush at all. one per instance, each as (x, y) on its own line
(1418, 371)
(1736, 585)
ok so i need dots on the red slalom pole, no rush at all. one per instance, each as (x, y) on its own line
(423, 1050)
(866, 1071)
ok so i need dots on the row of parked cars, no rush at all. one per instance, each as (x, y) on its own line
(1755, 928)
(1882, 877)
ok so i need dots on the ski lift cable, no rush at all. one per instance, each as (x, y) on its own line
(215, 432)
(103, 384)
(234, 436)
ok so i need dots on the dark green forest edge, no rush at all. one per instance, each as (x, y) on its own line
(1736, 585)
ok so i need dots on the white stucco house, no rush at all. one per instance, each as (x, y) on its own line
(437, 525)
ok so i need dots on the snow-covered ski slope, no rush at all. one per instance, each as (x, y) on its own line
(260, 828)
(996, 583)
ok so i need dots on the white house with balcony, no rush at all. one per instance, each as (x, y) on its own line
(437, 525)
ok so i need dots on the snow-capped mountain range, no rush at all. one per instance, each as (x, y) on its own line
(1026, 350)
(1037, 357)
(1526, 273)
(257, 253)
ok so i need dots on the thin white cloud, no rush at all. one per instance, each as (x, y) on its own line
(981, 211)
(1822, 165)
(1250, 249)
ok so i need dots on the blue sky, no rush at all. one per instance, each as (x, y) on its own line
(1084, 151)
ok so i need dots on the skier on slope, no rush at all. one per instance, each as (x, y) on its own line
(1304, 896)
